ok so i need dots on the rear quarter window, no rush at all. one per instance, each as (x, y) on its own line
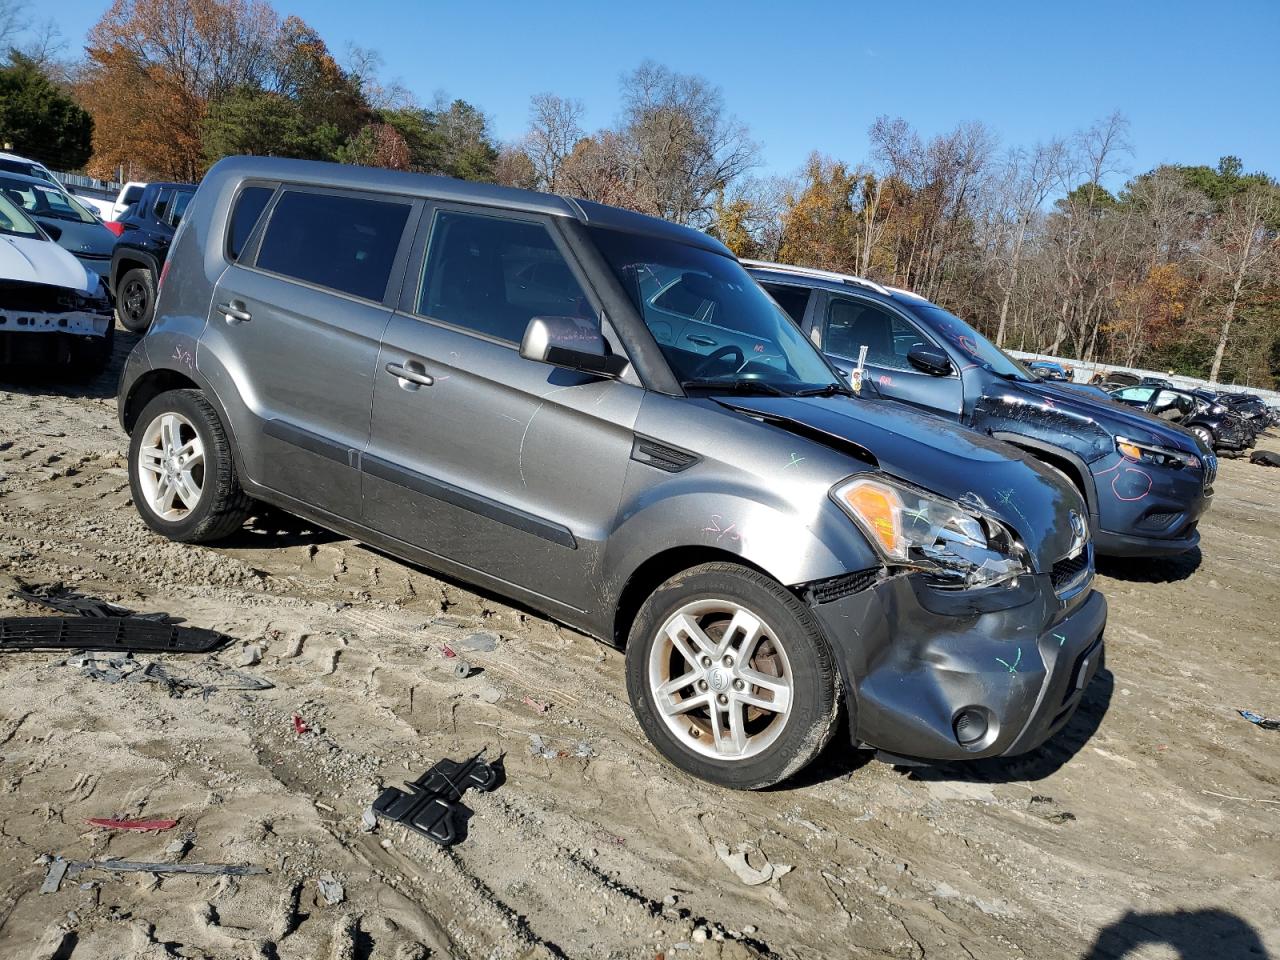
(344, 243)
(245, 214)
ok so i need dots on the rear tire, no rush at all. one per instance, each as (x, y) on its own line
(762, 697)
(136, 299)
(181, 470)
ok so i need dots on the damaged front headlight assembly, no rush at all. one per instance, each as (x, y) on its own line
(957, 547)
(1160, 456)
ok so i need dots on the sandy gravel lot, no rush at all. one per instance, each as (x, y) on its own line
(1147, 829)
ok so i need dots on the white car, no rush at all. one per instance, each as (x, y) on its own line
(12, 163)
(130, 193)
(54, 313)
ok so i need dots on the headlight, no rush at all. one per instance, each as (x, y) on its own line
(910, 527)
(1161, 456)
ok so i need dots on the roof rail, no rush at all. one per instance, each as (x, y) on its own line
(908, 293)
(814, 272)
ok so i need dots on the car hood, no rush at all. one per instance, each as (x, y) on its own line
(37, 260)
(1116, 418)
(80, 237)
(941, 457)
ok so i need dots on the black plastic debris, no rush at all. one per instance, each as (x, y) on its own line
(68, 601)
(1266, 723)
(432, 806)
(105, 633)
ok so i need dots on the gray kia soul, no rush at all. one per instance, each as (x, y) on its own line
(601, 416)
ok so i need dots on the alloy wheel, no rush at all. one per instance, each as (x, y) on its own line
(171, 466)
(134, 301)
(721, 680)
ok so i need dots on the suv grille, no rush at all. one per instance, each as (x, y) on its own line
(842, 586)
(1071, 573)
(1210, 470)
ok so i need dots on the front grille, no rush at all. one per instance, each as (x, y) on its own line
(824, 591)
(1210, 470)
(1070, 573)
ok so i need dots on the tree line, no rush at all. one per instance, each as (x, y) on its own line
(1046, 247)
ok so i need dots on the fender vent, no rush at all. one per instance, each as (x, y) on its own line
(655, 454)
(836, 588)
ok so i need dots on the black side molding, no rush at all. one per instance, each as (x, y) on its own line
(456, 496)
(311, 442)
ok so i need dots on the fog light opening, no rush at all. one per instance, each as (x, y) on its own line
(970, 726)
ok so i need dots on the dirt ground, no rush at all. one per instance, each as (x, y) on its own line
(1148, 828)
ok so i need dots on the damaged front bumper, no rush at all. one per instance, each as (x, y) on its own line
(45, 324)
(930, 675)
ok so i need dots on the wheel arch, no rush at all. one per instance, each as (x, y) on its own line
(126, 259)
(161, 380)
(1069, 463)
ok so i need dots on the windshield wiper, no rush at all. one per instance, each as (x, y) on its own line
(826, 390)
(735, 386)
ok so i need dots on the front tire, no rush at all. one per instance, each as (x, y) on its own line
(731, 677)
(136, 299)
(181, 470)
(1205, 435)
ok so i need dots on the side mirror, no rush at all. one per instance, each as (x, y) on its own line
(55, 233)
(570, 343)
(929, 360)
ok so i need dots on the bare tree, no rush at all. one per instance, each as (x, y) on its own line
(555, 127)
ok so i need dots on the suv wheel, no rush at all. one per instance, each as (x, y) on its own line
(136, 299)
(731, 677)
(1205, 435)
(181, 471)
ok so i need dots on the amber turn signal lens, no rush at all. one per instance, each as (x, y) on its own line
(1132, 451)
(879, 508)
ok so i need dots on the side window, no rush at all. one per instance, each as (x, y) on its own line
(493, 275)
(131, 196)
(161, 209)
(888, 338)
(179, 206)
(344, 243)
(1135, 394)
(244, 217)
(791, 299)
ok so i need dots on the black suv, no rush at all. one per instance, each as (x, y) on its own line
(146, 230)
(1215, 425)
(1146, 481)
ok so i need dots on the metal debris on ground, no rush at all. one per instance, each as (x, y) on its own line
(110, 823)
(1266, 723)
(462, 669)
(482, 642)
(432, 806)
(60, 868)
(104, 667)
(69, 601)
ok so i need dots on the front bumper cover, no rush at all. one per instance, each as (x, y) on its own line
(909, 671)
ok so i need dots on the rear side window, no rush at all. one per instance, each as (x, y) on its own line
(852, 324)
(163, 200)
(493, 275)
(180, 201)
(131, 195)
(344, 243)
(244, 217)
(791, 299)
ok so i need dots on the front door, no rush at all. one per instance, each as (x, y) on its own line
(298, 329)
(509, 467)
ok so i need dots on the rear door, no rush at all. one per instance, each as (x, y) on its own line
(506, 466)
(297, 317)
(852, 322)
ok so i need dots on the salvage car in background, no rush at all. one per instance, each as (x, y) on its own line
(63, 218)
(1215, 425)
(54, 314)
(1146, 482)
(144, 231)
(506, 387)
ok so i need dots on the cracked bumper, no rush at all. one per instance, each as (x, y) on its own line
(912, 661)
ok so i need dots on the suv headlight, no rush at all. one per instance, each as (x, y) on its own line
(910, 527)
(1161, 456)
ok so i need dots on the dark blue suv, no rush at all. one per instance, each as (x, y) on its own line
(1146, 481)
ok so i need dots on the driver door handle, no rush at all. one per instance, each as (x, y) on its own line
(410, 372)
(701, 340)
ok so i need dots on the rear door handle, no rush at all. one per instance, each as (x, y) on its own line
(700, 340)
(411, 374)
(234, 312)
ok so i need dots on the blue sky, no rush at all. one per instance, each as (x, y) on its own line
(1196, 80)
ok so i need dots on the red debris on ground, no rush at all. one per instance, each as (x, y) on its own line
(448, 651)
(536, 705)
(109, 823)
(298, 726)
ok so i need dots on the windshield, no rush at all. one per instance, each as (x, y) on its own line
(714, 324)
(42, 201)
(13, 222)
(984, 352)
